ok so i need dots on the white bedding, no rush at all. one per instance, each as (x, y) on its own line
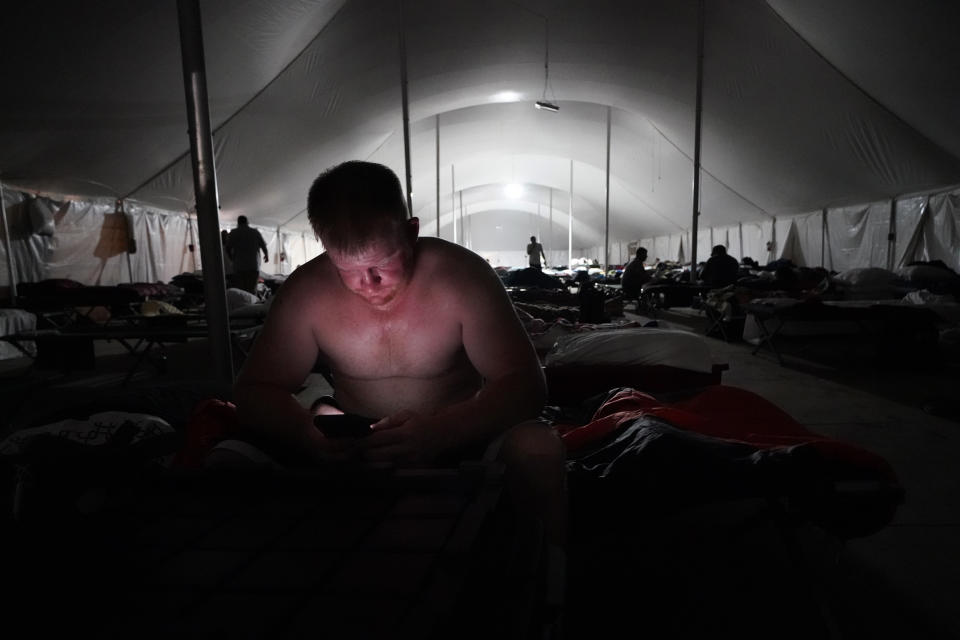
(639, 345)
(15, 321)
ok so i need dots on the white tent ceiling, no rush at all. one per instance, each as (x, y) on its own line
(807, 104)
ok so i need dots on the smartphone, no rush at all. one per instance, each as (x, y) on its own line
(346, 425)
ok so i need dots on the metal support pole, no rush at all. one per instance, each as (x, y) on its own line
(406, 108)
(772, 253)
(696, 145)
(453, 211)
(892, 235)
(205, 187)
(550, 241)
(193, 242)
(453, 201)
(11, 264)
(606, 223)
(823, 235)
(740, 233)
(570, 222)
(438, 173)
(462, 230)
(279, 255)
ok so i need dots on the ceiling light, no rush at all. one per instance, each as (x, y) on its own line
(506, 96)
(513, 190)
(544, 104)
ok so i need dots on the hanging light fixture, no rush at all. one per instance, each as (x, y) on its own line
(543, 103)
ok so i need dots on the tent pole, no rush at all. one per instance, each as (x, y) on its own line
(193, 242)
(453, 201)
(892, 235)
(11, 265)
(823, 235)
(205, 186)
(406, 107)
(606, 223)
(570, 222)
(550, 241)
(696, 145)
(279, 256)
(437, 127)
(743, 251)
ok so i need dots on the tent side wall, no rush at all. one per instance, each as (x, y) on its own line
(924, 228)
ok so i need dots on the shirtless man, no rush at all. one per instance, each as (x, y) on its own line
(417, 332)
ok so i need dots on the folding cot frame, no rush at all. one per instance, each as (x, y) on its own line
(858, 316)
(144, 337)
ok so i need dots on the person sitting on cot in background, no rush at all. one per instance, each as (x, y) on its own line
(417, 333)
(635, 275)
(721, 270)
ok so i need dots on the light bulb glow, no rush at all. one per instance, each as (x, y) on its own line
(513, 190)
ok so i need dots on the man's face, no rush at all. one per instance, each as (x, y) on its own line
(378, 272)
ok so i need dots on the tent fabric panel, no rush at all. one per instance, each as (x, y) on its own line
(162, 245)
(812, 136)
(756, 235)
(908, 62)
(729, 236)
(704, 244)
(90, 242)
(910, 216)
(338, 100)
(27, 247)
(941, 234)
(807, 248)
(857, 236)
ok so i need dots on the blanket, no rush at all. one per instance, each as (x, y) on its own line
(727, 442)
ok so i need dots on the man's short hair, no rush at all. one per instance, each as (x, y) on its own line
(533, 238)
(242, 221)
(348, 204)
(719, 250)
(642, 250)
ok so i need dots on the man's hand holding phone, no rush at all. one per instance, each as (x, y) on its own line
(344, 425)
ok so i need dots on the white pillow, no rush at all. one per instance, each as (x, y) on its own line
(237, 298)
(641, 345)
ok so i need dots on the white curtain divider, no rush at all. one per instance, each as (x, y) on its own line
(162, 245)
(807, 239)
(28, 248)
(755, 238)
(941, 234)
(675, 244)
(857, 236)
(911, 213)
(704, 244)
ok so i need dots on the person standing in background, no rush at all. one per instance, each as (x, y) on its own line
(243, 246)
(535, 252)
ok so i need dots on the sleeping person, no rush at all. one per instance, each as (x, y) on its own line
(418, 333)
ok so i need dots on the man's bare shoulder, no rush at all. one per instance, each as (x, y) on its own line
(457, 271)
(309, 283)
(440, 258)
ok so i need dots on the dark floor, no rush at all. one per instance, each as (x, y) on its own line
(734, 569)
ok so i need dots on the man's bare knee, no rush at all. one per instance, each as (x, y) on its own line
(531, 440)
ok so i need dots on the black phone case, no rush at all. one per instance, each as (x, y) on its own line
(343, 425)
